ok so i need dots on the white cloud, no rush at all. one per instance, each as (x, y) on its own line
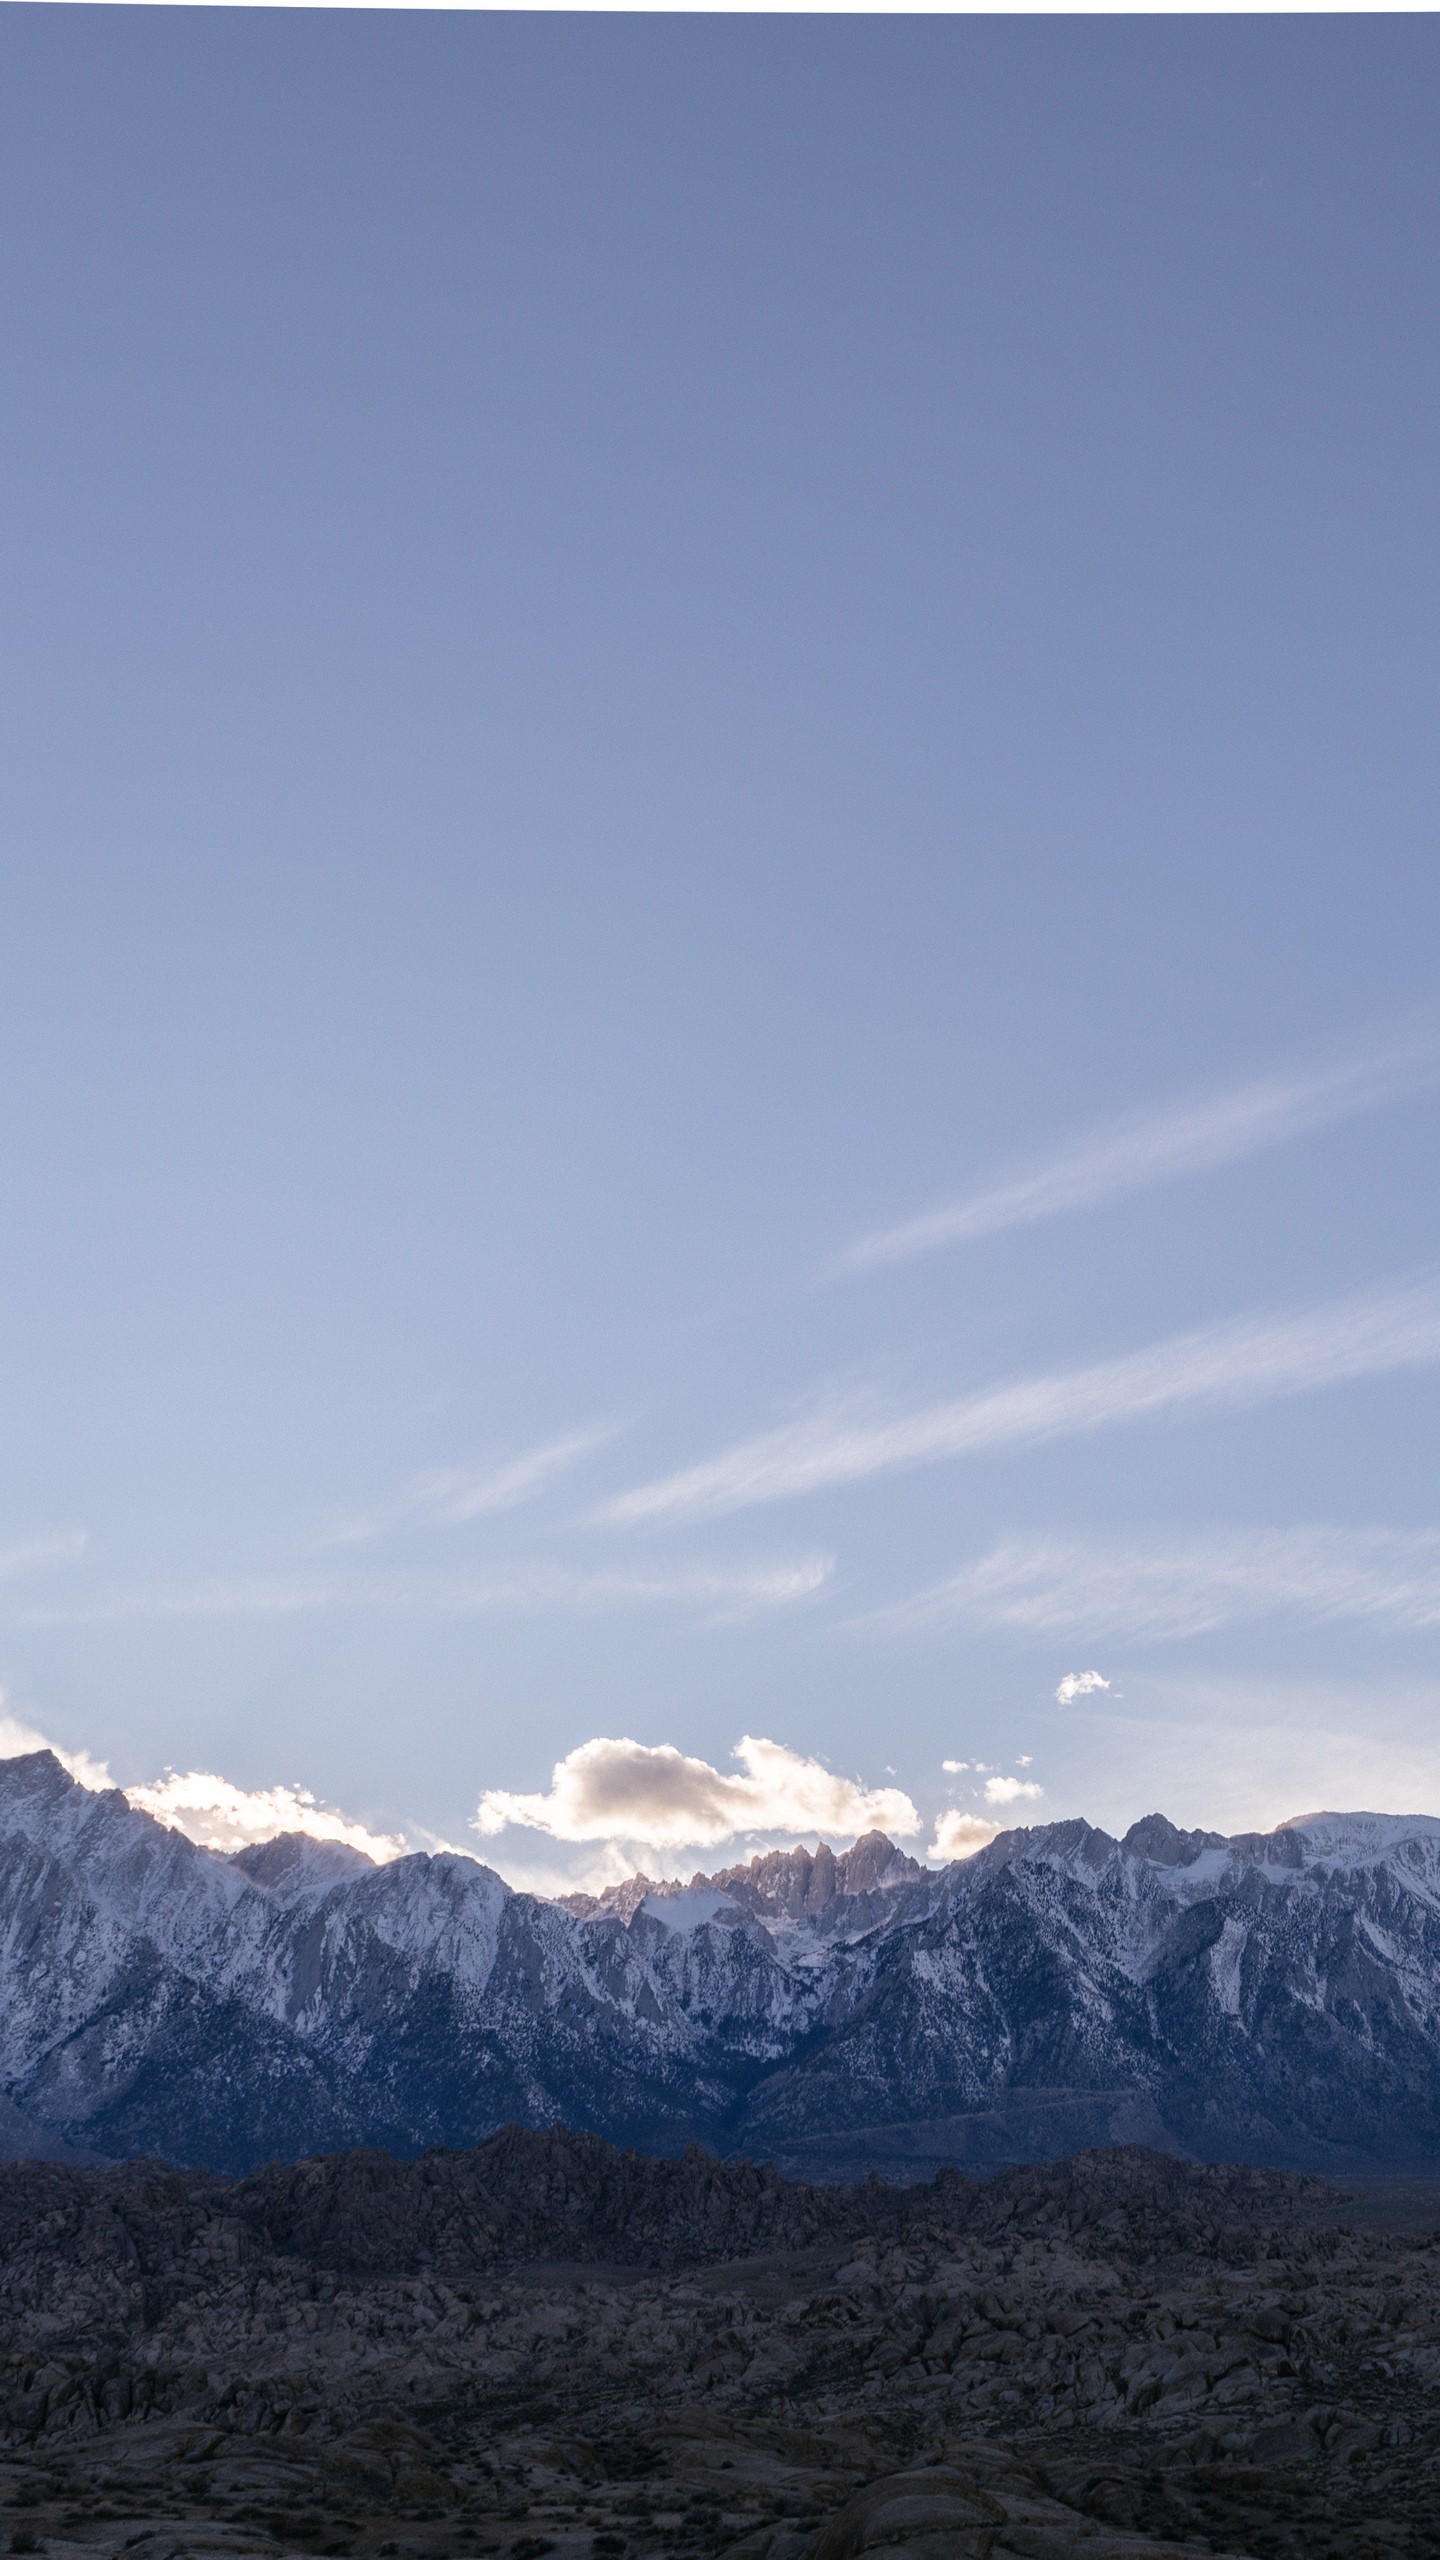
(1147, 1147)
(1218, 1368)
(1079, 1684)
(653, 1794)
(952, 1768)
(1010, 1790)
(715, 1591)
(1159, 1590)
(959, 1835)
(223, 1816)
(447, 1497)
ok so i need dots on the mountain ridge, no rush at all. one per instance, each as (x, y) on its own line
(1272, 1997)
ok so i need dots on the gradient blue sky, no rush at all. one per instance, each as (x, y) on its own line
(638, 653)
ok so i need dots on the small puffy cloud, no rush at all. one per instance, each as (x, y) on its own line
(222, 1816)
(657, 1796)
(959, 1835)
(1010, 1790)
(952, 1768)
(1079, 1684)
(1023, 1759)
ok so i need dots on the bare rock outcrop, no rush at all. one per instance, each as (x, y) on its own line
(548, 2347)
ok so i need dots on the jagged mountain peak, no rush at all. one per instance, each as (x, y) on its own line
(1161, 1841)
(38, 1785)
(797, 1882)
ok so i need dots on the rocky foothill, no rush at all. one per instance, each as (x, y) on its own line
(545, 2346)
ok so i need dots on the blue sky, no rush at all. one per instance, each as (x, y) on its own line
(718, 933)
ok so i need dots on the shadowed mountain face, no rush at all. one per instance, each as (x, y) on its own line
(1273, 1998)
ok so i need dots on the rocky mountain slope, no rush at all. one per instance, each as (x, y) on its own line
(544, 2348)
(1273, 1998)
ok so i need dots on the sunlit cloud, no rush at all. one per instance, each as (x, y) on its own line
(209, 1809)
(219, 1815)
(959, 1835)
(1159, 1590)
(1130, 1154)
(1079, 1684)
(617, 1796)
(654, 1794)
(1218, 1368)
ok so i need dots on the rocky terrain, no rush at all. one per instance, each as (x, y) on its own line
(1273, 1998)
(542, 2346)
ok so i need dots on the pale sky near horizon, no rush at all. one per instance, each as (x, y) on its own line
(719, 919)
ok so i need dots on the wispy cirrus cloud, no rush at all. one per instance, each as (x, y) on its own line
(657, 1796)
(1143, 1148)
(448, 1497)
(1160, 1590)
(713, 1591)
(47, 1552)
(1218, 1368)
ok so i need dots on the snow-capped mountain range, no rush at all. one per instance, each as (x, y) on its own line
(1273, 1997)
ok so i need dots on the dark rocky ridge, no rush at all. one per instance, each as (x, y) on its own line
(546, 2347)
(523, 2197)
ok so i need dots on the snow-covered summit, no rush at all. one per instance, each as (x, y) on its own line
(1362, 1839)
